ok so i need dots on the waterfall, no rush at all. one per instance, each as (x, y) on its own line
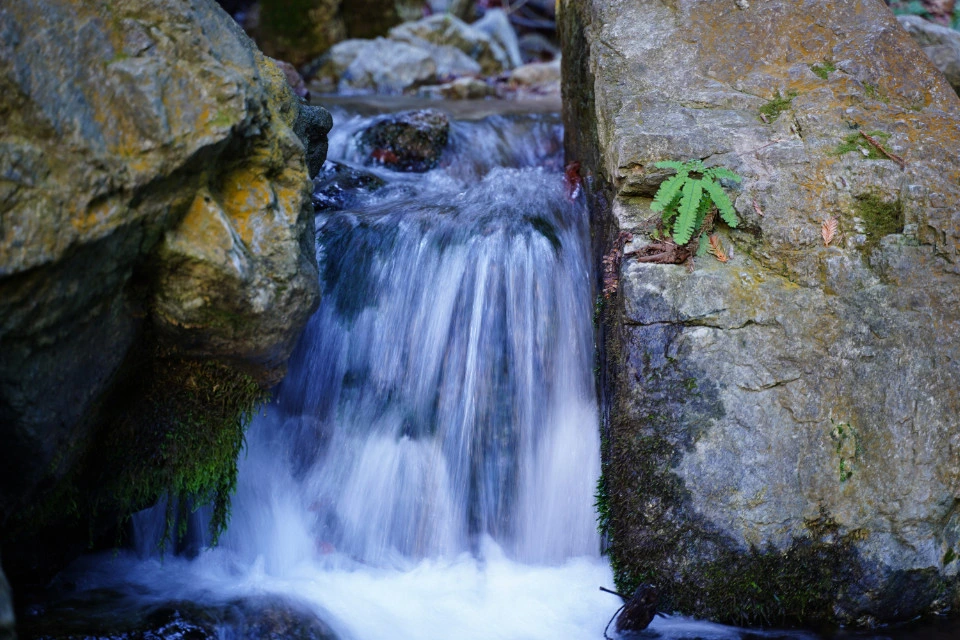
(427, 467)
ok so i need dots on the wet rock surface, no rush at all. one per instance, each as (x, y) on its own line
(783, 428)
(940, 43)
(407, 141)
(155, 189)
(432, 51)
(338, 185)
(106, 615)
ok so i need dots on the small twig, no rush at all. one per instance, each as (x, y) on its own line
(616, 593)
(615, 614)
(879, 147)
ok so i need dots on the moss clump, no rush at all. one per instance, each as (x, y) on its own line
(880, 217)
(823, 70)
(874, 93)
(778, 105)
(199, 410)
(174, 427)
(856, 142)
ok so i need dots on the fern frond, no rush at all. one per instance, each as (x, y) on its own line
(672, 164)
(705, 205)
(724, 206)
(720, 173)
(689, 204)
(668, 191)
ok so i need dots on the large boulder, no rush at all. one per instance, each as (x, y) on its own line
(407, 141)
(156, 208)
(941, 44)
(447, 30)
(389, 66)
(781, 431)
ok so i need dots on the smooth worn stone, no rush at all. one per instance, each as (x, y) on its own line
(407, 141)
(940, 43)
(155, 200)
(459, 89)
(115, 616)
(444, 29)
(783, 428)
(496, 24)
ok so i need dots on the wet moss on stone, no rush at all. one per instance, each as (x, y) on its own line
(174, 428)
(856, 142)
(778, 105)
(880, 217)
(823, 70)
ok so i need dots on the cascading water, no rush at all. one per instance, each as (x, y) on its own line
(427, 467)
(442, 396)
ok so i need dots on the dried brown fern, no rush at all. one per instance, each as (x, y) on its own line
(829, 229)
(716, 249)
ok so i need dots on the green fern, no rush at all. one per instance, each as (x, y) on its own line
(685, 199)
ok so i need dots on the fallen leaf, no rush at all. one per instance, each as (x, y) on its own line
(829, 229)
(716, 248)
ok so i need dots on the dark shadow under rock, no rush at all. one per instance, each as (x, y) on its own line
(110, 615)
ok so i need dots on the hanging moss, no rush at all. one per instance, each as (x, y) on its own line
(173, 427)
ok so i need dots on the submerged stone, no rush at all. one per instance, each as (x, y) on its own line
(408, 141)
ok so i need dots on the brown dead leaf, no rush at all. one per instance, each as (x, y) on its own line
(829, 229)
(716, 248)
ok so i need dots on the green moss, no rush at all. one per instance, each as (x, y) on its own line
(880, 217)
(200, 410)
(874, 92)
(222, 119)
(823, 70)
(602, 505)
(778, 105)
(174, 428)
(856, 142)
(949, 556)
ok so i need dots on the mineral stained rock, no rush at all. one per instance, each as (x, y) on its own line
(783, 430)
(153, 181)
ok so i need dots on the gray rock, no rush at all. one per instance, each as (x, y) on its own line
(444, 29)
(782, 428)
(393, 67)
(338, 185)
(109, 615)
(155, 199)
(407, 141)
(324, 72)
(941, 44)
(539, 77)
(459, 89)
(496, 24)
